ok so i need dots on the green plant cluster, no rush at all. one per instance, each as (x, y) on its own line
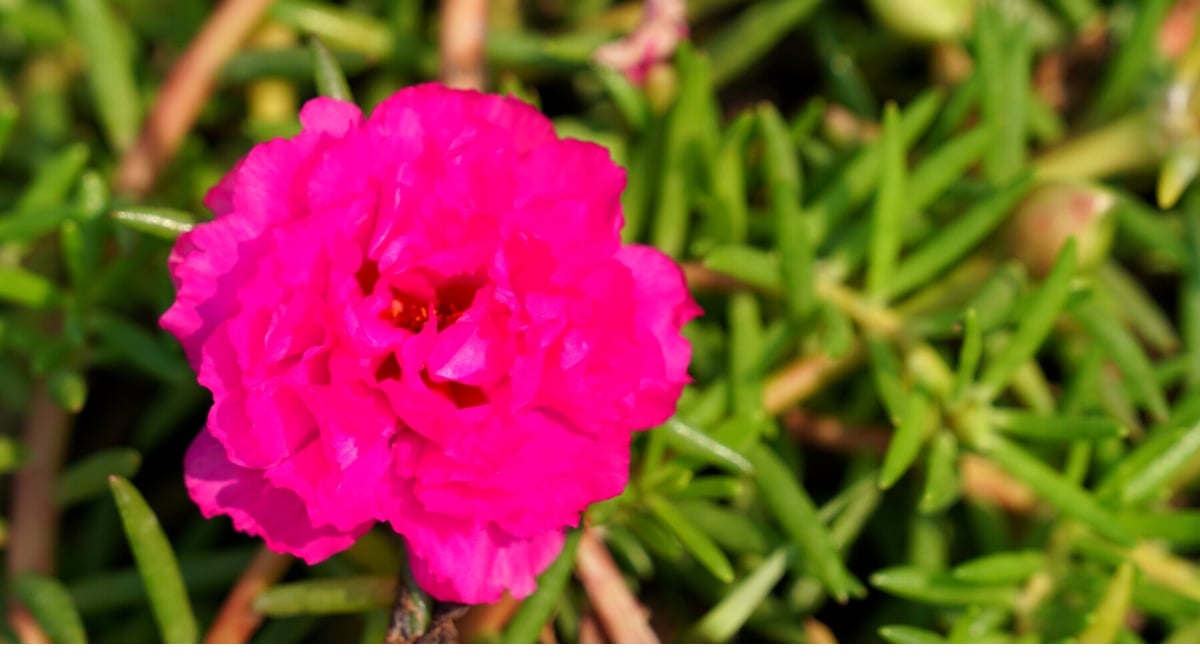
(919, 414)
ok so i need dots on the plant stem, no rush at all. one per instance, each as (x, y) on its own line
(463, 33)
(623, 618)
(33, 534)
(237, 620)
(184, 92)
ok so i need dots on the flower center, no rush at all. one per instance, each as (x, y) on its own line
(412, 312)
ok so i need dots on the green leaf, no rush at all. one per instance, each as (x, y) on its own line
(940, 588)
(161, 222)
(627, 549)
(907, 634)
(907, 440)
(1180, 528)
(724, 620)
(156, 563)
(701, 546)
(713, 488)
(1056, 489)
(535, 612)
(627, 98)
(69, 390)
(8, 120)
(969, 357)
(1132, 64)
(949, 245)
(50, 603)
(890, 206)
(1126, 353)
(1004, 56)
(331, 82)
(347, 595)
(941, 474)
(695, 442)
(886, 371)
(795, 512)
(26, 288)
(752, 266)
(753, 33)
(1107, 619)
(745, 345)
(731, 529)
(203, 574)
(1140, 310)
(338, 27)
(109, 70)
(946, 166)
(25, 226)
(54, 179)
(1003, 568)
(1146, 474)
(89, 477)
(860, 176)
(792, 228)
(11, 456)
(1035, 326)
(727, 179)
(137, 347)
(1054, 428)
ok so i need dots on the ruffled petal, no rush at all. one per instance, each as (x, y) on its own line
(256, 507)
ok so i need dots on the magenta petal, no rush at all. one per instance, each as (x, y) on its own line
(427, 318)
(477, 564)
(256, 507)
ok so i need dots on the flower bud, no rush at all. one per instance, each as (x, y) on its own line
(925, 20)
(1055, 212)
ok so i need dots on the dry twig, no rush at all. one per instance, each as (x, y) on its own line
(625, 621)
(237, 620)
(463, 33)
(33, 534)
(184, 93)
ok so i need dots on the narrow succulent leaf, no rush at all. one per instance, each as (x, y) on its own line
(1108, 617)
(88, 477)
(723, 621)
(890, 208)
(693, 539)
(331, 81)
(909, 436)
(50, 603)
(324, 597)
(1039, 317)
(797, 515)
(537, 609)
(157, 565)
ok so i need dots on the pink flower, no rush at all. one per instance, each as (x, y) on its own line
(661, 29)
(425, 318)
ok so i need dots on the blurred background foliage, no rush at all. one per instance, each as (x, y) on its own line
(947, 383)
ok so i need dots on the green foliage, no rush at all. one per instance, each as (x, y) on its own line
(895, 427)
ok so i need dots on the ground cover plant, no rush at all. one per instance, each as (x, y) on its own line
(945, 386)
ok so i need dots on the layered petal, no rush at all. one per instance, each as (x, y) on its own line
(426, 318)
(220, 487)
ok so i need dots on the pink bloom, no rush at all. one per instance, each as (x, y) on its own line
(662, 27)
(425, 318)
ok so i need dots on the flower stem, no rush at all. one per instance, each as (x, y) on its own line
(33, 533)
(184, 92)
(623, 618)
(237, 620)
(463, 32)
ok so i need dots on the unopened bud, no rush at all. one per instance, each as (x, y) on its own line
(1055, 212)
(925, 20)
